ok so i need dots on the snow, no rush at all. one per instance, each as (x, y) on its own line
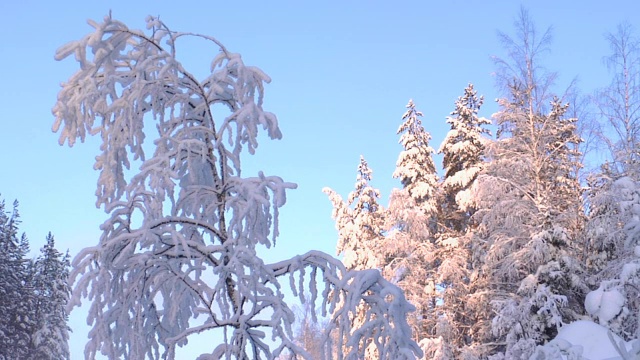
(190, 265)
(604, 304)
(629, 271)
(625, 183)
(582, 339)
(199, 216)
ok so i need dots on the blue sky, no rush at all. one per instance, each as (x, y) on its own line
(342, 73)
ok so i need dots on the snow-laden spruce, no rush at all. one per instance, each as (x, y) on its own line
(51, 285)
(415, 167)
(463, 160)
(409, 249)
(33, 295)
(178, 253)
(360, 222)
(463, 149)
(17, 303)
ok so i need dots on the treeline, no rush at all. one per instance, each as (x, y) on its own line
(515, 239)
(33, 295)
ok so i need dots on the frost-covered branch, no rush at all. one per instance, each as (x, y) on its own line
(178, 255)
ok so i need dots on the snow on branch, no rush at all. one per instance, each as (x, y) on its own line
(178, 255)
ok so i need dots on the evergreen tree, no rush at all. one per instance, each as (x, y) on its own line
(410, 249)
(51, 332)
(415, 167)
(605, 221)
(462, 150)
(33, 296)
(359, 222)
(16, 298)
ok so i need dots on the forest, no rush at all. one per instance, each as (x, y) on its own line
(492, 255)
(513, 239)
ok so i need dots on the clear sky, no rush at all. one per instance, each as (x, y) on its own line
(342, 73)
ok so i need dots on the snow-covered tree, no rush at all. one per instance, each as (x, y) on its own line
(50, 335)
(529, 206)
(530, 224)
(359, 221)
(614, 195)
(463, 152)
(603, 229)
(179, 252)
(619, 103)
(415, 167)
(409, 247)
(462, 149)
(16, 298)
(613, 231)
(33, 296)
